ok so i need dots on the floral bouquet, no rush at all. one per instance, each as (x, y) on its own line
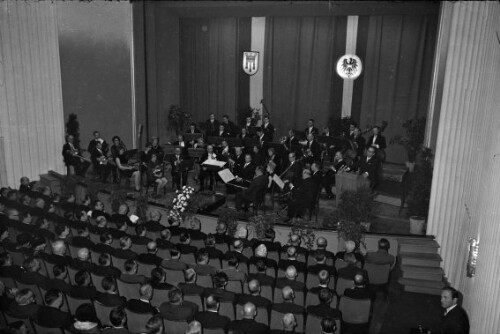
(184, 203)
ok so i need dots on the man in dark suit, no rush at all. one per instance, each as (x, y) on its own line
(25, 304)
(304, 196)
(177, 171)
(261, 276)
(110, 296)
(211, 318)
(256, 188)
(293, 170)
(176, 308)
(248, 325)
(247, 170)
(313, 146)
(130, 275)
(150, 257)
(288, 305)
(291, 142)
(311, 129)
(105, 268)
(142, 305)
(211, 126)
(290, 280)
(253, 296)
(182, 144)
(190, 288)
(317, 175)
(352, 268)
(70, 154)
(455, 319)
(359, 291)
(359, 142)
(83, 288)
(59, 282)
(222, 132)
(369, 167)
(118, 319)
(174, 263)
(158, 279)
(329, 179)
(51, 315)
(381, 256)
(32, 274)
(219, 290)
(7, 269)
(268, 129)
(324, 309)
(378, 141)
(124, 252)
(291, 260)
(230, 127)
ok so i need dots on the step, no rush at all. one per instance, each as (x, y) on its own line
(420, 259)
(422, 273)
(387, 199)
(419, 246)
(421, 283)
(418, 289)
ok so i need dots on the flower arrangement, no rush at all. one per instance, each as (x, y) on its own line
(183, 204)
(178, 119)
(305, 230)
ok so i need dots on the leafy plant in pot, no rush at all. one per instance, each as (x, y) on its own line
(420, 191)
(354, 213)
(413, 140)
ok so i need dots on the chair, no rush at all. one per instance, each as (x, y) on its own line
(227, 309)
(188, 258)
(138, 248)
(145, 268)
(175, 327)
(94, 256)
(17, 257)
(195, 299)
(342, 284)
(102, 312)
(119, 262)
(9, 282)
(313, 281)
(198, 243)
(301, 276)
(71, 273)
(74, 302)
(234, 286)
(355, 311)
(276, 318)
(339, 264)
(94, 237)
(128, 290)
(378, 276)
(136, 321)
(97, 280)
(159, 296)
(311, 260)
(222, 247)
(205, 281)
(262, 314)
(174, 277)
(46, 330)
(213, 331)
(64, 306)
(73, 250)
(313, 299)
(313, 324)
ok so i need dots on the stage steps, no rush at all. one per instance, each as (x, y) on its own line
(420, 265)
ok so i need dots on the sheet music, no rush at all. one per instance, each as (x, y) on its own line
(226, 175)
(278, 181)
(214, 163)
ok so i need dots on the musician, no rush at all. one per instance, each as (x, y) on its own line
(311, 129)
(200, 143)
(369, 167)
(183, 144)
(156, 173)
(256, 188)
(224, 151)
(257, 156)
(127, 171)
(339, 165)
(352, 127)
(271, 157)
(268, 129)
(359, 142)
(314, 146)
(92, 144)
(249, 122)
(222, 132)
(71, 155)
(156, 148)
(293, 172)
(204, 173)
(237, 161)
(211, 125)
(230, 127)
(192, 129)
(100, 160)
(244, 134)
(262, 137)
(247, 171)
(115, 148)
(326, 132)
(303, 196)
(291, 143)
(378, 141)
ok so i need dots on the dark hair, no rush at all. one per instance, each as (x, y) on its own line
(210, 240)
(328, 325)
(129, 264)
(261, 265)
(175, 295)
(157, 275)
(325, 295)
(139, 229)
(58, 270)
(174, 251)
(86, 313)
(201, 255)
(4, 258)
(220, 279)
(384, 244)
(117, 315)
(80, 277)
(108, 283)
(232, 260)
(184, 237)
(60, 228)
(51, 296)
(189, 275)
(106, 236)
(454, 292)
(23, 238)
(104, 259)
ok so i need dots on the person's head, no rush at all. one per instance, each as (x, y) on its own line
(328, 326)
(241, 232)
(212, 303)
(108, 284)
(23, 240)
(310, 137)
(175, 296)
(376, 130)
(288, 294)
(315, 167)
(449, 297)
(294, 240)
(259, 132)
(306, 173)
(106, 238)
(232, 261)
(157, 275)
(202, 256)
(289, 322)
(254, 287)
(291, 252)
(177, 151)
(192, 127)
(32, 265)
(323, 277)
(165, 234)
(291, 156)
(220, 280)
(140, 230)
(371, 151)
(249, 311)
(123, 209)
(60, 271)
(270, 167)
(350, 246)
(86, 313)
(104, 260)
(310, 122)
(238, 245)
(13, 214)
(118, 316)
(146, 291)
(384, 245)
(270, 234)
(190, 275)
(221, 127)
(271, 152)
(350, 258)
(321, 243)
(70, 139)
(210, 149)
(83, 254)
(4, 233)
(61, 230)
(261, 266)
(82, 278)
(259, 170)
(155, 215)
(221, 228)
(266, 119)
(194, 327)
(53, 298)
(152, 247)
(175, 252)
(261, 251)
(24, 181)
(131, 267)
(154, 325)
(291, 273)
(18, 327)
(248, 158)
(24, 297)
(211, 117)
(248, 120)
(125, 243)
(359, 281)
(325, 296)
(154, 157)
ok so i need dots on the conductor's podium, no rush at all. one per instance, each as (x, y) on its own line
(349, 181)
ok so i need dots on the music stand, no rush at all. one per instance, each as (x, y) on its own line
(217, 141)
(234, 142)
(191, 136)
(196, 152)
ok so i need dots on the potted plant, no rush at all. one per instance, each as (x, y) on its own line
(413, 140)
(178, 120)
(349, 230)
(141, 207)
(229, 217)
(420, 192)
(356, 206)
(305, 231)
(259, 224)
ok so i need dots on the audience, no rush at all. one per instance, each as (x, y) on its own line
(248, 325)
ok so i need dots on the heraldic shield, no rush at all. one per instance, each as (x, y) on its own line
(349, 67)
(250, 62)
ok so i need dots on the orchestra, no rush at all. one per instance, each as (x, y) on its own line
(300, 159)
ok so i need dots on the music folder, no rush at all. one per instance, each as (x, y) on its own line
(230, 179)
(278, 181)
(214, 163)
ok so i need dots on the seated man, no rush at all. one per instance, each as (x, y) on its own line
(257, 187)
(51, 315)
(207, 171)
(254, 296)
(210, 318)
(248, 325)
(323, 309)
(176, 308)
(359, 291)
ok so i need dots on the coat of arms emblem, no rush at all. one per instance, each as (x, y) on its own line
(250, 62)
(349, 67)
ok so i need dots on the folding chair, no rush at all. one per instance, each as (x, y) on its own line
(102, 312)
(313, 324)
(227, 309)
(137, 321)
(195, 299)
(342, 284)
(205, 281)
(175, 327)
(128, 290)
(159, 296)
(174, 277)
(355, 312)
(74, 302)
(234, 286)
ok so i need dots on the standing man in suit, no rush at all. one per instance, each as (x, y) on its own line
(303, 196)
(257, 186)
(455, 319)
(268, 129)
(311, 129)
(211, 126)
(291, 142)
(314, 146)
(378, 141)
(178, 173)
(369, 167)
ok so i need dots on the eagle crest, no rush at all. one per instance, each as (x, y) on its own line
(349, 66)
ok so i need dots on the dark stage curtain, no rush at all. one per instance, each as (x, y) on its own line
(300, 81)
(210, 65)
(397, 52)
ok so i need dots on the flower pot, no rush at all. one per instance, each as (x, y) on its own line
(417, 225)
(410, 166)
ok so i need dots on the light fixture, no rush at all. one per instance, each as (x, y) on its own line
(472, 259)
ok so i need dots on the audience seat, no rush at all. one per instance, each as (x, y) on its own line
(313, 299)
(159, 296)
(74, 302)
(205, 281)
(175, 327)
(313, 324)
(145, 269)
(196, 299)
(227, 309)
(355, 313)
(174, 277)
(34, 288)
(102, 312)
(128, 290)
(137, 321)
(46, 330)
(342, 284)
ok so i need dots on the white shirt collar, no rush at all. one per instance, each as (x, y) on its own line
(449, 309)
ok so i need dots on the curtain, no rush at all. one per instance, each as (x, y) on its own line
(398, 52)
(300, 81)
(210, 65)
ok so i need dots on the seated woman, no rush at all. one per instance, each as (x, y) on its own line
(156, 173)
(127, 171)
